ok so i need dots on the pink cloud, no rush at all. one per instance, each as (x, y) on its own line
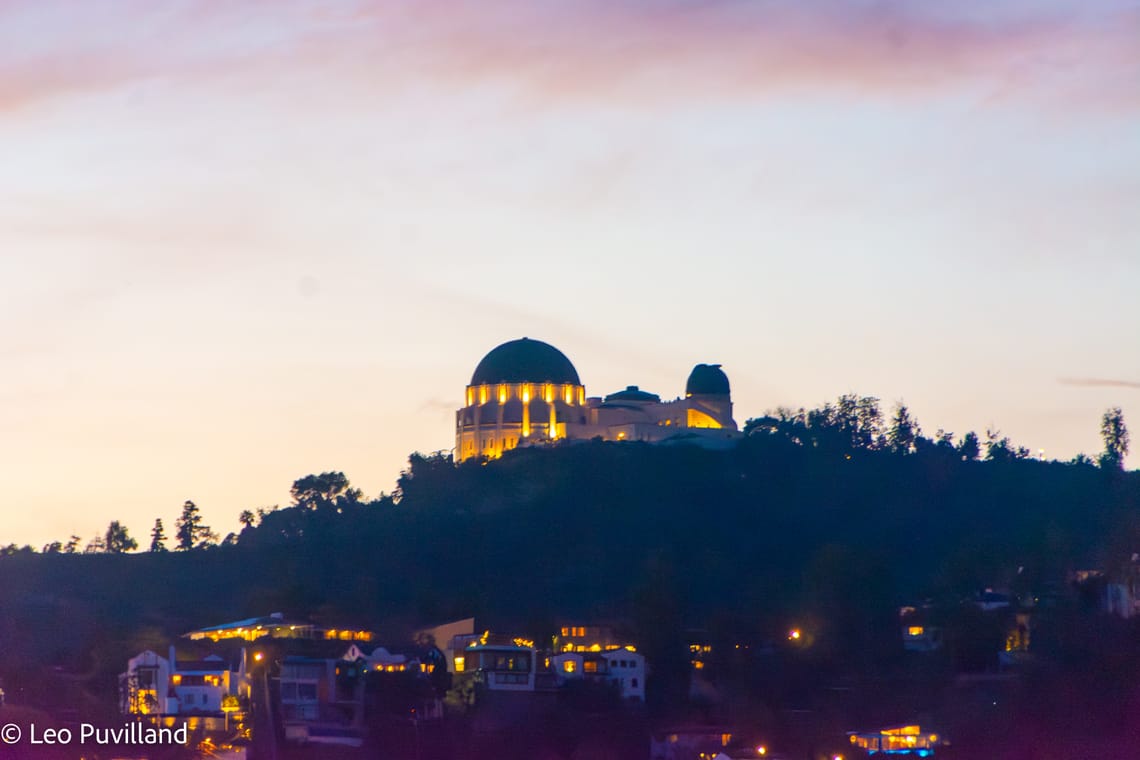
(622, 51)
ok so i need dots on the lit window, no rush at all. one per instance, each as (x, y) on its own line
(590, 667)
(565, 631)
(914, 630)
(569, 666)
(459, 662)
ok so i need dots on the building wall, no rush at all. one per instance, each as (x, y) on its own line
(504, 416)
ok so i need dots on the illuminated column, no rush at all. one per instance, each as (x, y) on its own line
(526, 410)
(548, 396)
(502, 392)
(476, 437)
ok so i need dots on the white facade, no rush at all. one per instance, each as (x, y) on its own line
(154, 685)
(622, 667)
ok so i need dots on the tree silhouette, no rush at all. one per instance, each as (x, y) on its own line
(158, 537)
(1115, 436)
(328, 490)
(191, 533)
(117, 541)
(970, 448)
(903, 433)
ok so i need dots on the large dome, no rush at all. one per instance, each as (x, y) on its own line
(525, 361)
(707, 380)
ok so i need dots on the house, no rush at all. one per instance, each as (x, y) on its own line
(499, 667)
(908, 740)
(154, 685)
(586, 638)
(688, 742)
(624, 668)
(321, 700)
(444, 636)
(276, 626)
(917, 633)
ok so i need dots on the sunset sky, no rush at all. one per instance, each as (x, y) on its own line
(241, 242)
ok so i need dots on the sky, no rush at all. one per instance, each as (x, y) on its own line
(244, 242)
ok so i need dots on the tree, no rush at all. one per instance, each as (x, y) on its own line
(970, 448)
(117, 541)
(329, 490)
(191, 533)
(998, 447)
(97, 545)
(904, 430)
(72, 545)
(158, 536)
(246, 518)
(1115, 436)
(55, 547)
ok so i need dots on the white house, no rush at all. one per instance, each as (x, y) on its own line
(622, 667)
(154, 685)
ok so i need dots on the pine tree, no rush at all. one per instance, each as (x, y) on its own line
(1115, 436)
(158, 537)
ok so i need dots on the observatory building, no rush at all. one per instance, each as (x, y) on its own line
(526, 392)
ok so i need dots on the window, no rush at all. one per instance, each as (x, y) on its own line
(590, 666)
(147, 677)
(565, 631)
(569, 666)
(633, 682)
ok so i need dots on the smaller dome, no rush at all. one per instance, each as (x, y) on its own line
(707, 380)
(633, 393)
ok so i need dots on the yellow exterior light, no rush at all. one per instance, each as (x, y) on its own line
(795, 634)
(761, 750)
(914, 630)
